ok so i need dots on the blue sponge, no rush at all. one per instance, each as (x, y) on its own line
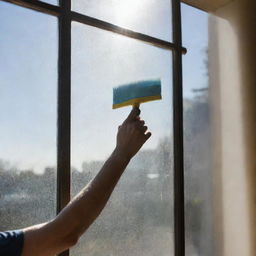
(136, 93)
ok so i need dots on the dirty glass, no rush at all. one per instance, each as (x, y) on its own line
(197, 143)
(28, 87)
(138, 220)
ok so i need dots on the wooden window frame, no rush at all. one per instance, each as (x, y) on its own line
(65, 17)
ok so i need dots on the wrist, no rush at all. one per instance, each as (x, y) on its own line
(120, 155)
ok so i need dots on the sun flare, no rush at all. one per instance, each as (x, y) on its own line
(127, 12)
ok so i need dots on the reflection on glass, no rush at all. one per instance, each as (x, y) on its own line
(197, 147)
(139, 217)
(150, 17)
(28, 85)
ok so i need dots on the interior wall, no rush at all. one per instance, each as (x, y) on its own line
(207, 5)
(246, 25)
(232, 75)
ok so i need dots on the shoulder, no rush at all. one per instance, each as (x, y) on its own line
(11, 242)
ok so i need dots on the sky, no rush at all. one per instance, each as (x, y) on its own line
(100, 61)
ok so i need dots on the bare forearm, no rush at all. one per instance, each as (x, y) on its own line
(64, 231)
(87, 205)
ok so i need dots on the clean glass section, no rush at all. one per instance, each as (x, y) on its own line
(150, 17)
(28, 86)
(197, 146)
(138, 220)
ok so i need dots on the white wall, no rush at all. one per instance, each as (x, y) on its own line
(233, 90)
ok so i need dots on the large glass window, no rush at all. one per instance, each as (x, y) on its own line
(28, 98)
(150, 17)
(197, 146)
(139, 217)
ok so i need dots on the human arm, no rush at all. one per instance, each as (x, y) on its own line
(64, 231)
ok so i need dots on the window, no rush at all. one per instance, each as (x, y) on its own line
(139, 218)
(150, 17)
(28, 99)
(103, 55)
(197, 146)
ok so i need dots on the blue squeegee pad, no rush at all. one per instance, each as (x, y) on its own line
(136, 90)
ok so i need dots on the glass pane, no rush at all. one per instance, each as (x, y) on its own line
(28, 86)
(139, 218)
(197, 147)
(54, 2)
(150, 17)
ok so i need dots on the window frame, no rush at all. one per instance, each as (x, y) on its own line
(65, 17)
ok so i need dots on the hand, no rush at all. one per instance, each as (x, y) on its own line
(132, 134)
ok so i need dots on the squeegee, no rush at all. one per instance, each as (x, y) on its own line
(136, 93)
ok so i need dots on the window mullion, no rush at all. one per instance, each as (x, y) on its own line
(37, 6)
(179, 222)
(64, 108)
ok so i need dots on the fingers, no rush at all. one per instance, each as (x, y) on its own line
(133, 120)
(134, 114)
(143, 129)
(139, 123)
(147, 135)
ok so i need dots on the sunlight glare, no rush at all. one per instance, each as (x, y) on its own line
(128, 12)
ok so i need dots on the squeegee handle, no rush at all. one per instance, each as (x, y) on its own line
(137, 105)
